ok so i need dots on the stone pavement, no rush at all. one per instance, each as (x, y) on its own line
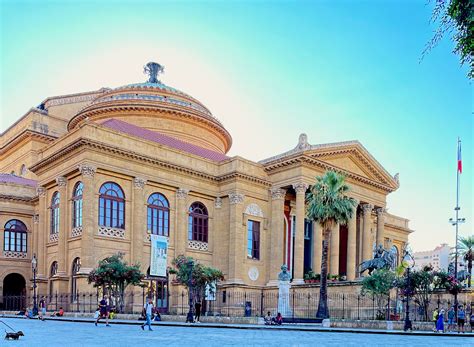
(69, 332)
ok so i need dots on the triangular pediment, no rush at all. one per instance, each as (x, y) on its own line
(349, 164)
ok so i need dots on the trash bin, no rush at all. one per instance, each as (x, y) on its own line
(248, 309)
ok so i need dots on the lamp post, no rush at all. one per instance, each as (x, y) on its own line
(190, 316)
(455, 222)
(408, 262)
(34, 267)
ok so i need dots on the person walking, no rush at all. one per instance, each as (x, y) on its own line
(451, 319)
(471, 319)
(103, 311)
(147, 310)
(461, 318)
(435, 317)
(42, 306)
(197, 309)
(440, 322)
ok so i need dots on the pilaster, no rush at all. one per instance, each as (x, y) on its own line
(276, 252)
(63, 225)
(351, 245)
(236, 250)
(42, 232)
(181, 215)
(89, 218)
(366, 237)
(300, 189)
(139, 220)
(380, 226)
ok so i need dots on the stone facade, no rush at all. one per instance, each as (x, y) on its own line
(128, 136)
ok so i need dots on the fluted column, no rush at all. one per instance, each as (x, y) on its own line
(139, 220)
(182, 222)
(63, 225)
(42, 232)
(380, 227)
(236, 251)
(89, 218)
(317, 247)
(351, 246)
(334, 251)
(366, 237)
(277, 248)
(300, 189)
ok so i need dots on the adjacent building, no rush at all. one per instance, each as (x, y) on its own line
(90, 174)
(438, 258)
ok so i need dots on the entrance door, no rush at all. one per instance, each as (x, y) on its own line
(14, 292)
(158, 291)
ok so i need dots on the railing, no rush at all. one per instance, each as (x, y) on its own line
(241, 303)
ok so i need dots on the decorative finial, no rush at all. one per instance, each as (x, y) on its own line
(303, 144)
(153, 69)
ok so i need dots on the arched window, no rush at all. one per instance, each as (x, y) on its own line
(158, 214)
(23, 170)
(15, 236)
(77, 205)
(198, 222)
(396, 256)
(111, 206)
(76, 265)
(55, 213)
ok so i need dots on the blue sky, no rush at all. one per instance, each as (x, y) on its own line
(269, 70)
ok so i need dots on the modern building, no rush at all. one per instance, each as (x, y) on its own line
(438, 258)
(90, 174)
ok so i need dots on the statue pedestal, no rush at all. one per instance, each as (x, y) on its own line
(284, 298)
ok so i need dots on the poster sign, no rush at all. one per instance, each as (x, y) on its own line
(211, 291)
(159, 255)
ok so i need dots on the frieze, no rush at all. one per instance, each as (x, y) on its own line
(75, 99)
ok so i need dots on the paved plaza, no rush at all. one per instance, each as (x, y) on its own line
(56, 333)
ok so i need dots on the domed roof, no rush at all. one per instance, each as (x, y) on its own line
(172, 112)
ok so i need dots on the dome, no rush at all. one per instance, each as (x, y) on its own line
(157, 107)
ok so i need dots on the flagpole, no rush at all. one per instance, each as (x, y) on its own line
(457, 228)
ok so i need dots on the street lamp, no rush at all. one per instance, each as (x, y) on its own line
(34, 266)
(190, 316)
(455, 222)
(408, 263)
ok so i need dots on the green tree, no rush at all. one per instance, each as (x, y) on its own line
(379, 285)
(455, 17)
(200, 276)
(328, 205)
(466, 251)
(113, 275)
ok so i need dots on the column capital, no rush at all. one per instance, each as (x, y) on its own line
(41, 191)
(367, 208)
(87, 170)
(218, 202)
(300, 187)
(380, 210)
(182, 193)
(236, 198)
(61, 181)
(277, 193)
(139, 183)
(36, 218)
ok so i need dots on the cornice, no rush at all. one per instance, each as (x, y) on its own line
(17, 198)
(182, 111)
(27, 133)
(238, 175)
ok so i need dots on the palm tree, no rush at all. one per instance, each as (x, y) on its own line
(327, 204)
(466, 251)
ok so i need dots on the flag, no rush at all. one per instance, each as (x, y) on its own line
(459, 157)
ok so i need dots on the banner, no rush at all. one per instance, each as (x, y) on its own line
(159, 255)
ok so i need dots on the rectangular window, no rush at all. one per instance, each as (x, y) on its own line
(253, 239)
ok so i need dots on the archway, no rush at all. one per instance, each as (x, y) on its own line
(14, 292)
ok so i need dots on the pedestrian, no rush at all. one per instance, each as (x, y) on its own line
(268, 318)
(451, 320)
(440, 322)
(103, 311)
(471, 319)
(435, 317)
(197, 309)
(42, 306)
(461, 318)
(278, 320)
(147, 310)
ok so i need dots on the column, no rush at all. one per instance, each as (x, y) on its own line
(300, 189)
(317, 247)
(366, 237)
(380, 227)
(42, 233)
(63, 225)
(34, 236)
(236, 251)
(139, 220)
(334, 251)
(89, 219)
(277, 249)
(181, 222)
(351, 245)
